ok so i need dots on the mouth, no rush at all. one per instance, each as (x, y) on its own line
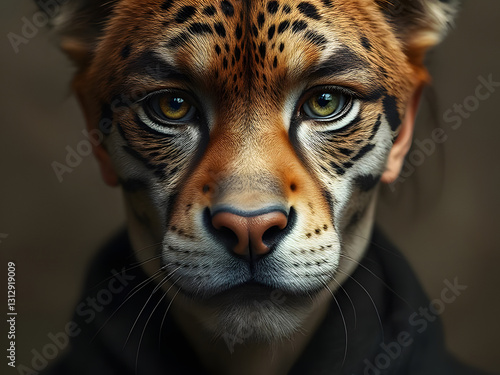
(253, 311)
(298, 260)
(248, 290)
(251, 290)
(244, 290)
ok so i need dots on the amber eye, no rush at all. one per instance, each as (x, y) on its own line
(325, 105)
(173, 107)
(170, 108)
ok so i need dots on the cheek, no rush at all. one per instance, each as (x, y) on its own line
(150, 170)
(349, 161)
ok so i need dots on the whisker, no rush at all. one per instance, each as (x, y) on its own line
(370, 241)
(139, 264)
(350, 300)
(135, 290)
(343, 319)
(148, 246)
(378, 278)
(371, 299)
(151, 315)
(164, 280)
(128, 268)
(166, 312)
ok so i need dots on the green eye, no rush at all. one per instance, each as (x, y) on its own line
(325, 105)
(170, 108)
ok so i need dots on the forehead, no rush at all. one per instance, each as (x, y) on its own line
(233, 43)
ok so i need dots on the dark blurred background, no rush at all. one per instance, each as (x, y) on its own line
(443, 216)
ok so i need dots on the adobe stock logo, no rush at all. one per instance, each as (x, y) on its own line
(30, 27)
(419, 321)
(74, 156)
(87, 310)
(454, 118)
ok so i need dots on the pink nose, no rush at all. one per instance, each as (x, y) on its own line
(254, 234)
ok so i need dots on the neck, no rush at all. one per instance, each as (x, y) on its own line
(235, 354)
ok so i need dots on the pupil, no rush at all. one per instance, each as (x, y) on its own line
(176, 103)
(324, 99)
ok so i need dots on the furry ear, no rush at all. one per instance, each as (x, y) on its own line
(419, 24)
(77, 25)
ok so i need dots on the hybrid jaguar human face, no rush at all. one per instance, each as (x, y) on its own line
(249, 138)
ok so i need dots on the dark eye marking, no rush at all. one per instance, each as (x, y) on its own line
(341, 61)
(185, 13)
(148, 63)
(344, 132)
(158, 168)
(309, 10)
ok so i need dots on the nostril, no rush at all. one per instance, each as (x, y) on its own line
(227, 236)
(269, 237)
(232, 228)
(250, 234)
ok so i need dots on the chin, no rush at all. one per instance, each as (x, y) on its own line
(253, 313)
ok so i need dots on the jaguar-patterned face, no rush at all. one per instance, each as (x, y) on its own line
(249, 136)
